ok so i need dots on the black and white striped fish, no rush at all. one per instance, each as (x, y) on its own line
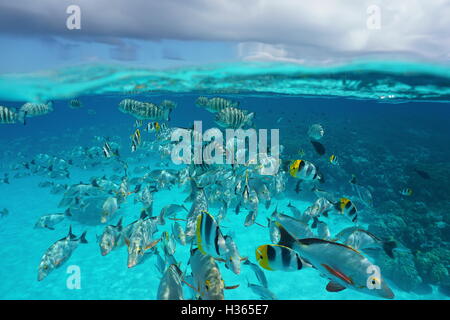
(216, 104)
(10, 116)
(75, 104)
(144, 110)
(210, 239)
(37, 109)
(135, 140)
(231, 117)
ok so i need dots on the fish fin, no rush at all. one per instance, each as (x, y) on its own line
(286, 239)
(67, 212)
(151, 245)
(338, 274)
(71, 235)
(127, 241)
(334, 287)
(314, 224)
(232, 287)
(50, 228)
(143, 214)
(83, 237)
(325, 214)
(389, 246)
(119, 224)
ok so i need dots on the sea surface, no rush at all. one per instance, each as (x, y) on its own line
(388, 124)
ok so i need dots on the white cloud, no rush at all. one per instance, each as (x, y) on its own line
(286, 30)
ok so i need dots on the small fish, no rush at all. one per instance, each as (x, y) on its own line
(135, 140)
(153, 127)
(334, 160)
(75, 104)
(320, 148)
(50, 220)
(276, 257)
(262, 292)
(258, 273)
(168, 243)
(109, 207)
(11, 116)
(406, 192)
(316, 132)
(138, 123)
(111, 238)
(4, 212)
(301, 152)
(108, 152)
(346, 207)
(304, 170)
(178, 232)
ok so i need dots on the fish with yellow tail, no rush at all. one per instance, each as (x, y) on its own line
(344, 266)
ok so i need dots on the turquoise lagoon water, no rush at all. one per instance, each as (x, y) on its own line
(384, 121)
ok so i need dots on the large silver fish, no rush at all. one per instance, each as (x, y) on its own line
(171, 286)
(58, 253)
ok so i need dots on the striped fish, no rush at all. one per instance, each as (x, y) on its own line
(231, 117)
(108, 152)
(10, 116)
(216, 104)
(275, 257)
(304, 170)
(37, 109)
(152, 127)
(209, 237)
(346, 207)
(75, 104)
(135, 140)
(144, 110)
(167, 104)
(138, 123)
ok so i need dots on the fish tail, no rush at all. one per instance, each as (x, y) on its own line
(389, 246)
(83, 237)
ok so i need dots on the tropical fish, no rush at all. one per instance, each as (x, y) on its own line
(50, 220)
(10, 116)
(316, 132)
(178, 232)
(259, 273)
(234, 118)
(406, 192)
(334, 160)
(171, 284)
(109, 207)
(58, 253)
(344, 266)
(304, 170)
(216, 104)
(346, 207)
(168, 243)
(361, 239)
(135, 140)
(144, 110)
(275, 257)
(318, 147)
(75, 104)
(209, 238)
(36, 109)
(111, 238)
(206, 275)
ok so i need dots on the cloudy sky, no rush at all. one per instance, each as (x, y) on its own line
(162, 33)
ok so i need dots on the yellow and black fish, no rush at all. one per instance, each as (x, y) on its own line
(304, 170)
(334, 160)
(275, 257)
(135, 140)
(210, 239)
(346, 207)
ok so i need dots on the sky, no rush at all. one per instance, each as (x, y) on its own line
(159, 34)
